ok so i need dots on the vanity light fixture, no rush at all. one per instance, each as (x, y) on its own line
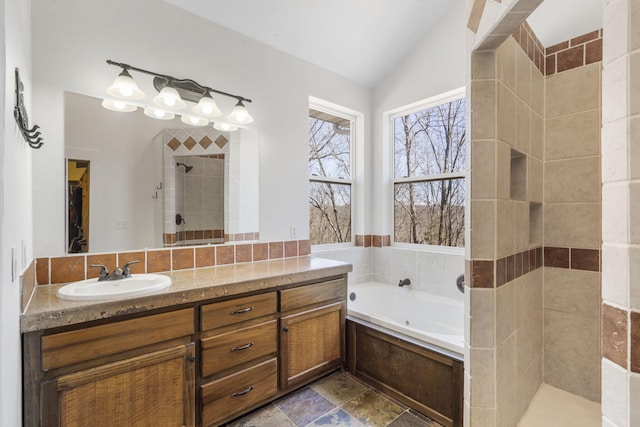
(171, 98)
(194, 120)
(125, 87)
(118, 105)
(157, 113)
(225, 127)
(239, 114)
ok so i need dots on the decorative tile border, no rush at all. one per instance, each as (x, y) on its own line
(614, 335)
(574, 53)
(528, 41)
(77, 267)
(572, 258)
(374, 240)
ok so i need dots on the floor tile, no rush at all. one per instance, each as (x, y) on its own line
(269, 416)
(304, 406)
(338, 388)
(410, 420)
(337, 418)
(371, 409)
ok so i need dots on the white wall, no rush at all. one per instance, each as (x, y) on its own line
(72, 40)
(15, 199)
(436, 65)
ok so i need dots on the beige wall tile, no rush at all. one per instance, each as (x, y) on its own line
(634, 83)
(528, 298)
(615, 393)
(506, 369)
(534, 189)
(615, 212)
(482, 377)
(482, 324)
(573, 91)
(506, 115)
(536, 146)
(505, 240)
(483, 113)
(483, 174)
(503, 171)
(575, 135)
(615, 151)
(506, 63)
(505, 312)
(634, 147)
(615, 43)
(634, 30)
(572, 225)
(507, 414)
(568, 373)
(484, 65)
(634, 212)
(572, 291)
(521, 224)
(537, 91)
(481, 417)
(576, 180)
(529, 346)
(615, 273)
(634, 391)
(482, 223)
(523, 127)
(572, 335)
(614, 90)
(634, 278)
(523, 76)
(530, 382)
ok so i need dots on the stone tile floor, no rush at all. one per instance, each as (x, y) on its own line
(335, 400)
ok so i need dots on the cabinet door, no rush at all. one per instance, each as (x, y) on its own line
(311, 343)
(157, 389)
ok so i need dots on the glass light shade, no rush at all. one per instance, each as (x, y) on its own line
(118, 105)
(225, 127)
(193, 120)
(207, 107)
(169, 98)
(240, 115)
(159, 114)
(125, 87)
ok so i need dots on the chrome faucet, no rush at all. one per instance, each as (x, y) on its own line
(404, 282)
(117, 273)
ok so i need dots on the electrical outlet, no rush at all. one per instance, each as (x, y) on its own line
(293, 233)
(122, 225)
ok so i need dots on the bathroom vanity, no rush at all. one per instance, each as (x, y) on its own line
(218, 343)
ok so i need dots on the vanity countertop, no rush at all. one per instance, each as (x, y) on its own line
(45, 310)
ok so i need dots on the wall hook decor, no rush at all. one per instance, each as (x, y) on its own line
(31, 135)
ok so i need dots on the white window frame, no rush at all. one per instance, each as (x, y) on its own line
(355, 119)
(389, 117)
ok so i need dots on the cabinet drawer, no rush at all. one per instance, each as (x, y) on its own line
(237, 310)
(81, 345)
(231, 395)
(291, 299)
(233, 348)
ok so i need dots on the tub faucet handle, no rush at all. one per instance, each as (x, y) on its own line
(404, 282)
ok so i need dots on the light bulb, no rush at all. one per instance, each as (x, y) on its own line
(157, 113)
(170, 98)
(207, 107)
(194, 120)
(240, 115)
(117, 105)
(225, 127)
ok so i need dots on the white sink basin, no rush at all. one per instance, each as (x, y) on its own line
(92, 290)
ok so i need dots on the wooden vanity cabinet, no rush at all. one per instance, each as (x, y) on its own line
(312, 331)
(131, 372)
(202, 365)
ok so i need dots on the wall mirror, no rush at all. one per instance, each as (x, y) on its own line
(157, 183)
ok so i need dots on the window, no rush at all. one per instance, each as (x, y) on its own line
(429, 177)
(330, 141)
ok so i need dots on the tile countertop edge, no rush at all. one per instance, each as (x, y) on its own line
(46, 311)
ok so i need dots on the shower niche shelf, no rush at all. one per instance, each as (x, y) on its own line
(518, 176)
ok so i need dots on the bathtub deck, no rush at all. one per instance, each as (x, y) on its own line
(552, 407)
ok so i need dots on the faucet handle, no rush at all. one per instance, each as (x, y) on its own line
(104, 271)
(126, 270)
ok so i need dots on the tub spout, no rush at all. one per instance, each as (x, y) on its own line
(404, 282)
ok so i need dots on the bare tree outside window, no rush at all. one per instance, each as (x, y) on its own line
(429, 184)
(330, 178)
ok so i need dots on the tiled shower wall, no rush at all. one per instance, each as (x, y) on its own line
(505, 317)
(572, 205)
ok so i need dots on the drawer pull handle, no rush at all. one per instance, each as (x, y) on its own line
(244, 310)
(243, 392)
(244, 347)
